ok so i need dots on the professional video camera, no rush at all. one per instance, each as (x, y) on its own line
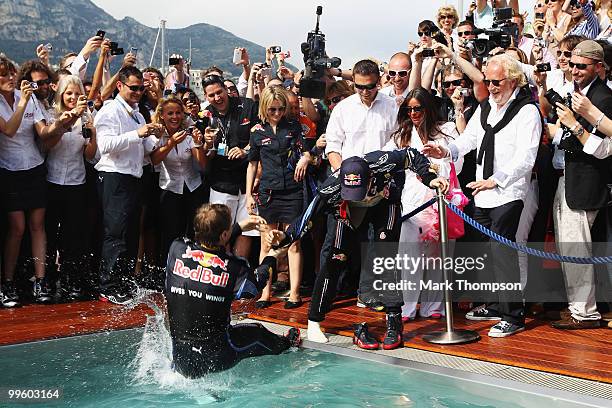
(502, 34)
(316, 62)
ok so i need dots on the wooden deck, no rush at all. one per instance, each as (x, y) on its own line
(583, 354)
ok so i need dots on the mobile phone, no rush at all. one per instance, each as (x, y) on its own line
(101, 33)
(117, 51)
(90, 104)
(539, 16)
(174, 61)
(275, 49)
(49, 47)
(237, 56)
(134, 50)
(428, 52)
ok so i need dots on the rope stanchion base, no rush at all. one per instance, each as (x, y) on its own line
(453, 337)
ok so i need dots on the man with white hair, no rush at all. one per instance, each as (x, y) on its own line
(506, 130)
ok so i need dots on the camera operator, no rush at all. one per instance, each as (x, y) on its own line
(582, 191)
(503, 174)
(465, 33)
(227, 168)
(584, 21)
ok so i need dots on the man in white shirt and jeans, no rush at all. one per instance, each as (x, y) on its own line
(121, 132)
(360, 124)
(508, 142)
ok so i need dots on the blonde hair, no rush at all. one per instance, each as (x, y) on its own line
(598, 6)
(269, 95)
(157, 116)
(210, 221)
(63, 84)
(511, 68)
(448, 10)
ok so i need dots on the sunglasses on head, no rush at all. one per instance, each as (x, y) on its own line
(135, 88)
(368, 87)
(336, 99)
(400, 74)
(495, 82)
(447, 84)
(424, 33)
(580, 66)
(566, 54)
(414, 109)
(275, 110)
(464, 33)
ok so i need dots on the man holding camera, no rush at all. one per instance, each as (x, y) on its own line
(582, 191)
(122, 131)
(177, 78)
(233, 117)
(506, 129)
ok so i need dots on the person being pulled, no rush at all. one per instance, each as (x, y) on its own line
(202, 279)
(363, 192)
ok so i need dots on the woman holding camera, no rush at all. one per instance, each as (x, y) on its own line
(67, 193)
(181, 184)
(277, 144)
(419, 123)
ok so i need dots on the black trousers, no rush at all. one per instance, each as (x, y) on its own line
(504, 221)
(64, 219)
(339, 240)
(194, 359)
(121, 195)
(177, 212)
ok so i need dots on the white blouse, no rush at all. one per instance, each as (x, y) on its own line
(179, 167)
(65, 161)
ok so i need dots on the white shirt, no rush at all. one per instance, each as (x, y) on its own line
(355, 129)
(516, 148)
(177, 169)
(121, 149)
(21, 152)
(598, 147)
(79, 66)
(65, 161)
(390, 91)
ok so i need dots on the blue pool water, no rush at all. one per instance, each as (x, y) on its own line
(131, 368)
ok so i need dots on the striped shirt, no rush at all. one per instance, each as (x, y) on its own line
(589, 27)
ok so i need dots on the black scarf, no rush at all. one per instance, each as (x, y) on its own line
(487, 147)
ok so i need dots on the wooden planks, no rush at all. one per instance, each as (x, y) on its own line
(584, 353)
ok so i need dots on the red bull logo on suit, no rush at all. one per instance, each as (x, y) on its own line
(200, 274)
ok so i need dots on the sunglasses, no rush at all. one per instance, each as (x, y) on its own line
(580, 66)
(447, 84)
(495, 82)
(135, 88)
(43, 82)
(464, 33)
(566, 54)
(447, 16)
(335, 99)
(414, 109)
(401, 74)
(277, 110)
(368, 87)
(424, 33)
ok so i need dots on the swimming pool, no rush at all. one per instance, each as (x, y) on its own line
(131, 368)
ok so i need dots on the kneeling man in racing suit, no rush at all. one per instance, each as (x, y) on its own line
(363, 192)
(202, 279)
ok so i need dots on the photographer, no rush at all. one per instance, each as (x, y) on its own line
(178, 149)
(41, 74)
(526, 44)
(584, 21)
(77, 63)
(177, 78)
(234, 118)
(582, 192)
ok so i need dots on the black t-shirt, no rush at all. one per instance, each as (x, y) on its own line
(229, 176)
(278, 154)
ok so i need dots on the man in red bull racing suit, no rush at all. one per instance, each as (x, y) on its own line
(202, 279)
(363, 191)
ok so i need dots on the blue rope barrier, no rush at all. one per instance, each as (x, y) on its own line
(525, 249)
(417, 210)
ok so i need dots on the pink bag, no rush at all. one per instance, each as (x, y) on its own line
(455, 226)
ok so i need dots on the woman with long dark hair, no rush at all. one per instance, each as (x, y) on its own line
(419, 123)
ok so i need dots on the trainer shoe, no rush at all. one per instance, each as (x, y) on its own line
(40, 291)
(571, 323)
(373, 305)
(10, 297)
(482, 313)
(294, 337)
(393, 338)
(74, 293)
(363, 339)
(505, 329)
(117, 298)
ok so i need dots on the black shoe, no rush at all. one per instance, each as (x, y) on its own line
(363, 339)
(395, 327)
(117, 298)
(40, 291)
(10, 298)
(262, 304)
(505, 329)
(294, 337)
(74, 293)
(293, 305)
(482, 313)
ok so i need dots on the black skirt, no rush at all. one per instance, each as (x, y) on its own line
(280, 206)
(24, 189)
